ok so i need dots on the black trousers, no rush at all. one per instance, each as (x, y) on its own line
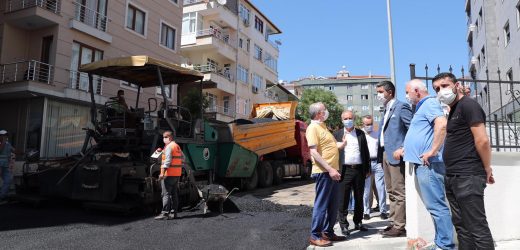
(466, 197)
(170, 194)
(352, 179)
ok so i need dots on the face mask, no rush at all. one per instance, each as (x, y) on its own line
(348, 123)
(380, 97)
(368, 129)
(408, 99)
(446, 96)
(326, 115)
(166, 141)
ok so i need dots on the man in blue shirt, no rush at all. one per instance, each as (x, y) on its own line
(423, 147)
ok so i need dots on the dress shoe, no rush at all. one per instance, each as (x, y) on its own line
(394, 232)
(320, 242)
(386, 229)
(384, 216)
(366, 217)
(162, 216)
(360, 227)
(334, 237)
(344, 229)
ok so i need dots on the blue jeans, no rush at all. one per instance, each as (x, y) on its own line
(6, 178)
(379, 175)
(326, 204)
(430, 180)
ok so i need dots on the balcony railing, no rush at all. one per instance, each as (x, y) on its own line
(211, 68)
(217, 34)
(220, 110)
(186, 2)
(50, 5)
(274, 44)
(27, 71)
(79, 80)
(90, 17)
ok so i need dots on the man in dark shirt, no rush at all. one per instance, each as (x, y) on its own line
(467, 156)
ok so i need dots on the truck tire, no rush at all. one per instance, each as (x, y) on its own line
(305, 170)
(265, 174)
(278, 172)
(251, 182)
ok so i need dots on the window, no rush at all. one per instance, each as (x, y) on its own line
(242, 74)
(509, 74)
(259, 24)
(225, 100)
(364, 86)
(136, 19)
(244, 14)
(191, 22)
(479, 19)
(350, 98)
(365, 108)
(271, 62)
(507, 34)
(212, 102)
(212, 64)
(127, 85)
(257, 83)
(258, 53)
(82, 54)
(168, 36)
(175, 1)
(248, 43)
(483, 53)
(167, 89)
(364, 97)
(241, 43)
(331, 87)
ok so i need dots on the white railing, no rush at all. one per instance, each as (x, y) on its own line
(220, 110)
(79, 80)
(50, 5)
(274, 44)
(217, 34)
(27, 71)
(90, 17)
(211, 68)
(186, 2)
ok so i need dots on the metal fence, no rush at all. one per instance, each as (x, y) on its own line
(30, 70)
(50, 5)
(499, 99)
(90, 17)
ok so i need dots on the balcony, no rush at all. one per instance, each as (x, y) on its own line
(79, 81)
(23, 71)
(33, 14)
(210, 39)
(221, 79)
(212, 11)
(90, 22)
(225, 114)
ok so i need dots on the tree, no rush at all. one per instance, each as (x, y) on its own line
(192, 102)
(310, 96)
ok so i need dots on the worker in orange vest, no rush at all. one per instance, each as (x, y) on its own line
(171, 170)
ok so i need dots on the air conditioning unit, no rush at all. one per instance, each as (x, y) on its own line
(246, 22)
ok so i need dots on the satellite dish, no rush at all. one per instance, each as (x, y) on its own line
(222, 2)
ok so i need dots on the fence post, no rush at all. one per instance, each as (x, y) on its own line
(497, 140)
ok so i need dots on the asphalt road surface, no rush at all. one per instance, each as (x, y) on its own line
(260, 224)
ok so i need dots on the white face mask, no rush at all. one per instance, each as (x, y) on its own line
(326, 115)
(446, 96)
(348, 123)
(368, 129)
(380, 97)
(408, 99)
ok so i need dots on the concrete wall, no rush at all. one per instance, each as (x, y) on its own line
(501, 201)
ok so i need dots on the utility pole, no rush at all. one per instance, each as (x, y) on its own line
(391, 43)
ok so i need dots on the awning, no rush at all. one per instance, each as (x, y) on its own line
(142, 70)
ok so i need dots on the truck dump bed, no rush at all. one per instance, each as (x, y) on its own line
(267, 136)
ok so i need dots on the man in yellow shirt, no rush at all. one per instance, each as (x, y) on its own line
(325, 166)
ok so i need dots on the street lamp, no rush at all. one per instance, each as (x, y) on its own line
(391, 43)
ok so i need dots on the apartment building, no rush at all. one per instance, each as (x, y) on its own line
(231, 43)
(356, 93)
(43, 98)
(493, 39)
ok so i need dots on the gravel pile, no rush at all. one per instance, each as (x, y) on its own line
(249, 203)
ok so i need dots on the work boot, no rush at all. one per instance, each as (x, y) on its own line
(162, 216)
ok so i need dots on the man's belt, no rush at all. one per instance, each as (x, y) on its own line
(373, 159)
(355, 166)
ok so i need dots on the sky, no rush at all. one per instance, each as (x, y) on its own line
(319, 37)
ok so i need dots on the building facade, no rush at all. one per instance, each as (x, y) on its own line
(44, 101)
(230, 42)
(494, 44)
(356, 93)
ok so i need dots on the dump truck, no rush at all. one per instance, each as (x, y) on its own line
(118, 167)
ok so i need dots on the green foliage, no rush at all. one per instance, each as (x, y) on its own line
(328, 98)
(192, 102)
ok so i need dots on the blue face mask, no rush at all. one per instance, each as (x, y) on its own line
(348, 123)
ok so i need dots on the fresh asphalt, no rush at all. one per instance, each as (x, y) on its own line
(260, 224)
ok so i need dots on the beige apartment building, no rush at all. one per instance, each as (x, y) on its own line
(230, 42)
(44, 102)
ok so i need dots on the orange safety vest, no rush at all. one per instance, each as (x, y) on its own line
(175, 168)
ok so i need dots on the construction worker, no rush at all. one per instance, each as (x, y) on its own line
(171, 170)
(6, 152)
